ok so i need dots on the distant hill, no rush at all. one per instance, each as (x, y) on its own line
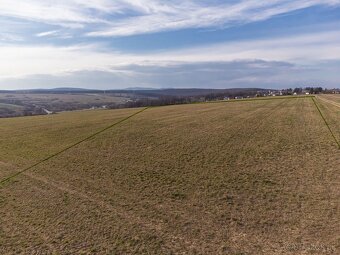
(48, 91)
(195, 92)
(188, 92)
(140, 88)
(70, 89)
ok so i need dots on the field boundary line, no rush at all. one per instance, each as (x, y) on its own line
(326, 123)
(6, 179)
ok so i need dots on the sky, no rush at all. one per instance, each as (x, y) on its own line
(115, 44)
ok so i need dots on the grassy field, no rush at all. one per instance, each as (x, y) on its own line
(23, 104)
(10, 106)
(248, 177)
(84, 98)
(14, 109)
(25, 141)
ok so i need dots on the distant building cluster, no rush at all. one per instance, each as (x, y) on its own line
(298, 91)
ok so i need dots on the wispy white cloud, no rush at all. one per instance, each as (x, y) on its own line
(177, 15)
(149, 16)
(62, 13)
(55, 34)
(48, 33)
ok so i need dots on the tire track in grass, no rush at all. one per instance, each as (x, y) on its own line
(329, 101)
(5, 180)
(131, 218)
(326, 123)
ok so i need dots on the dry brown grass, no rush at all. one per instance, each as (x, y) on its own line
(256, 177)
(24, 141)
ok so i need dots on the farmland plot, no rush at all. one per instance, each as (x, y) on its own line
(330, 107)
(257, 177)
(24, 141)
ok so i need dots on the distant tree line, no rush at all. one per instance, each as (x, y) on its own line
(300, 90)
(163, 100)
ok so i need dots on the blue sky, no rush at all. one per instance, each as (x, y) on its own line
(151, 43)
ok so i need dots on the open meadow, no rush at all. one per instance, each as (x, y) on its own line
(237, 177)
(14, 104)
(61, 98)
